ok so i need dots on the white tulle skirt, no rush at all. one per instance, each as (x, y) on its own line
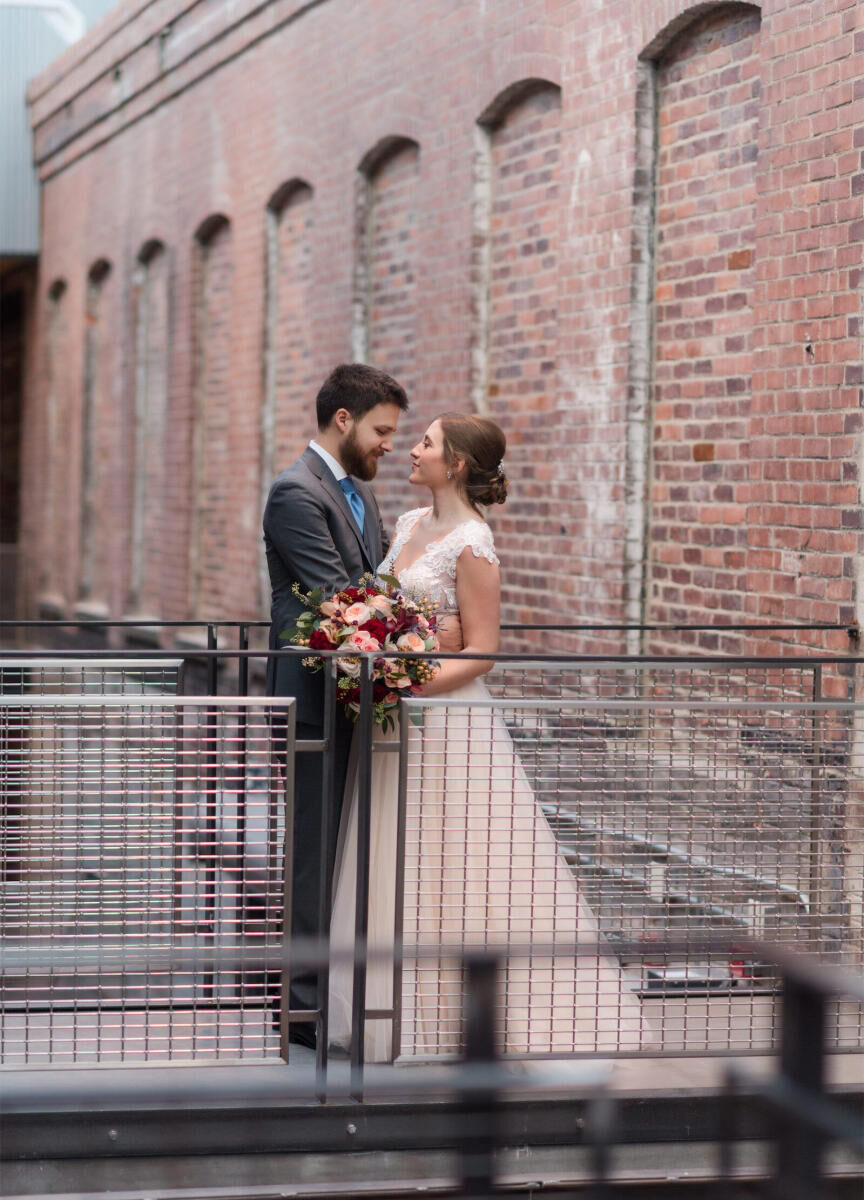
(480, 867)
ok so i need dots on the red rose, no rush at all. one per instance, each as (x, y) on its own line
(320, 641)
(376, 629)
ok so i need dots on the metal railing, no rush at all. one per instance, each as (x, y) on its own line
(477, 1106)
(136, 819)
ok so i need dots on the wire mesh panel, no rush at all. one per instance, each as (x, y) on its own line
(139, 825)
(675, 820)
(89, 676)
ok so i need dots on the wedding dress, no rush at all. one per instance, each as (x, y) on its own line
(481, 866)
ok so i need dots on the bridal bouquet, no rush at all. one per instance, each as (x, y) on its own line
(375, 615)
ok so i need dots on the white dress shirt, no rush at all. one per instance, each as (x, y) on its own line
(333, 463)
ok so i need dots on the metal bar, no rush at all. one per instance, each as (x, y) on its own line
(399, 906)
(790, 626)
(212, 661)
(478, 1153)
(287, 858)
(802, 1062)
(709, 663)
(363, 734)
(325, 874)
(243, 662)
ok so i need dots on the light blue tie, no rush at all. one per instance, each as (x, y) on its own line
(355, 500)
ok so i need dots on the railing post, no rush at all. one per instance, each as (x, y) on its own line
(243, 662)
(212, 664)
(361, 914)
(325, 875)
(289, 733)
(802, 1064)
(480, 1103)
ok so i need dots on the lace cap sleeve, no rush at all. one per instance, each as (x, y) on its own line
(478, 536)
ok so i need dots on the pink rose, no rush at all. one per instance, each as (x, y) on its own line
(422, 623)
(357, 614)
(411, 642)
(361, 640)
(330, 608)
(381, 605)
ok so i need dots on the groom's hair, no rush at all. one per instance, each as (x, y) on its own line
(357, 388)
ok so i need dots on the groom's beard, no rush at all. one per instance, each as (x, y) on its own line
(359, 463)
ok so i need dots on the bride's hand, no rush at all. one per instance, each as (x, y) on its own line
(449, 630)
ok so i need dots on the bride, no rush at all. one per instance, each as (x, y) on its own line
(481, 865)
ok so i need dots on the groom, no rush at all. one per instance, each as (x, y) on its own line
(322, 529)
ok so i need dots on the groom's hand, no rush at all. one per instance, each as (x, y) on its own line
(449, 630)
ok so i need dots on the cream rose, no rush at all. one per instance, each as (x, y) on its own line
(411, 642)
(357, 614)
(381, 605)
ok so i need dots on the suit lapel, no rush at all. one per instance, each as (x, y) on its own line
(319, 468)
(370, 524)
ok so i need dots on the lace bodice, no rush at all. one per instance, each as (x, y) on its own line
(433, 574)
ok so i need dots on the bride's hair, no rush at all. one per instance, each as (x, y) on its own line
(481, 444)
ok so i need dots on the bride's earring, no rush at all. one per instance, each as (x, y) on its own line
(449, 474)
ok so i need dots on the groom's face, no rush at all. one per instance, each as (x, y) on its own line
(367, 438)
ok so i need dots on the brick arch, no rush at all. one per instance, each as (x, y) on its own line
(99, 270)
(289, 339)
(149, 249)
(212, 225)
(691, 303)
(212, 295)
(286, 193)
(385, 148)
(513, 94)
(672, 30)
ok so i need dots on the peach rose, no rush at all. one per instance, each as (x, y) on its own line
(361, 640)
(357, 614)
(381, 605)
(331, 609)
(411, 642)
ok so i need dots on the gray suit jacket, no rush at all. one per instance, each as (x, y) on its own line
(311, 538)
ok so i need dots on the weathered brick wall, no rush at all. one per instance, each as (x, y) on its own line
(141, 505)
(707, 108)
(614, 402)
(211, 550)
(387, 252)
(522, 339)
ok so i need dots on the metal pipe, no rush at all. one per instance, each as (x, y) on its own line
(361, 917)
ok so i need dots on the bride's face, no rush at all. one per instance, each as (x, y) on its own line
(428, 467)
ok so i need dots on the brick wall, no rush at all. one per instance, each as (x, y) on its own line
(522, 337)
(707, 111)
(712, 470)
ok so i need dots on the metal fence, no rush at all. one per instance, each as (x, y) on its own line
(141, 821)
(81, 676)
(111, 808)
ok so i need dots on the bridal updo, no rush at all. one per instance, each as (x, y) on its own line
(480, 444)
